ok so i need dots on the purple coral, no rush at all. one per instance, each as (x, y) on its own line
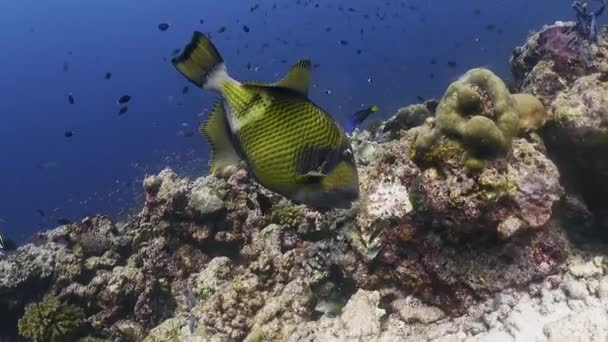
(561, 42)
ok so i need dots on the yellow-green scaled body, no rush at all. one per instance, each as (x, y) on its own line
(292, 146)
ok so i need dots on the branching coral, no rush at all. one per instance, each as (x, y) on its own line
(586, 20)
(50, 320)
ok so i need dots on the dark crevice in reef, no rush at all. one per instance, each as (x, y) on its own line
(11, 307)
(340, 290)
(232, 250)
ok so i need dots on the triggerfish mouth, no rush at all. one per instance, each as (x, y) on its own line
(291, 145)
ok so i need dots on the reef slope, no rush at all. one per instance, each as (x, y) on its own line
(466, 230)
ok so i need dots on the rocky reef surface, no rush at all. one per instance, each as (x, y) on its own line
(474, 224)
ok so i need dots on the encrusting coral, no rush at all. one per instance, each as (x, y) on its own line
(51, 321)
(577, 98)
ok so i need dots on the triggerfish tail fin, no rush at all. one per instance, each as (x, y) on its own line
(216, 130)
(357, 118)
(201, 63)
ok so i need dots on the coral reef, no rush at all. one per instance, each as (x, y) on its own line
(258, 267)
(570, 306)
(576, 130)
(463, 231)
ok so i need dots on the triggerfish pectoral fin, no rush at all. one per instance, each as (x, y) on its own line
(357, 118)
(216, 130)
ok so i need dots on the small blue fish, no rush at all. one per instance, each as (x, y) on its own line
(360, 116)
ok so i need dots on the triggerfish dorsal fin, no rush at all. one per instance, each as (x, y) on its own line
(360, 116)
(298, 78)
(200, 61)
(217, 132)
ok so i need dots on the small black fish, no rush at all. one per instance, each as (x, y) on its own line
(185, 90)
(477, 11)
(68, 134)
(316, 65)
(431, 75)
(221, 29)
(343, 42)
(490, 27)
(360, 116)
(359, 51)
(246, 28)
(40, 212)
(202, 21)
(108, 75)
(327, 29)
(64, 221)
(433, 61)
(420, 98)
(255, 7)
(175, 52)
(163, 26)
(124, 99)
(66, 67)
(452, 64)
(71, 98)
(123, 110)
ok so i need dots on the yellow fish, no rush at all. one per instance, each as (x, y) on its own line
(291, 145)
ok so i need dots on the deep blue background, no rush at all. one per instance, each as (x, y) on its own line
(100, 168)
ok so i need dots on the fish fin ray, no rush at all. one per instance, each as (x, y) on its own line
(298, 78)
(216, 130)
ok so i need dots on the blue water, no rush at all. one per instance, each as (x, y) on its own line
(100, 168)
